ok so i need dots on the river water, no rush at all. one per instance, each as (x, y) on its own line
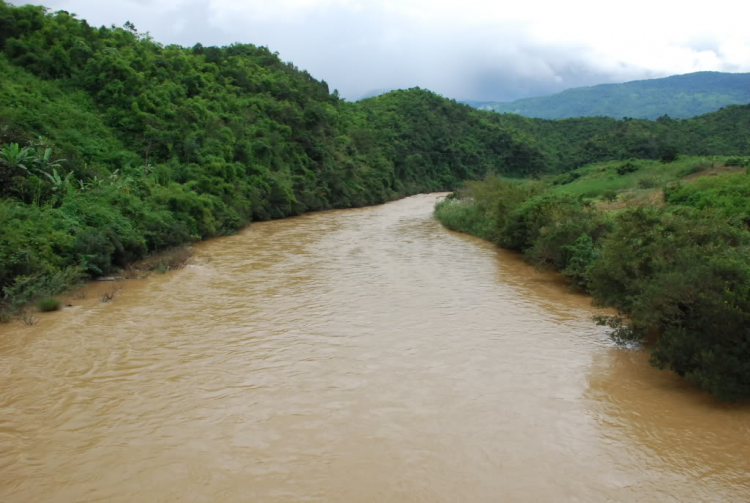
(363, 355)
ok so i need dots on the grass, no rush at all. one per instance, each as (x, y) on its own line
(28, 317)
(48, 304)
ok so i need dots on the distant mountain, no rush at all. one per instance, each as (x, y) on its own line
(478, 104)
(679, 96)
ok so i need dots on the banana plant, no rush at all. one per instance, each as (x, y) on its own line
(16, 156)
(119, 180)
(44, 160)
(59, 183)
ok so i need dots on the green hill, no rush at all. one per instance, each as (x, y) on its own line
(679, 96)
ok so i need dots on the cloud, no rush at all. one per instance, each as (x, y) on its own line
(473, 49)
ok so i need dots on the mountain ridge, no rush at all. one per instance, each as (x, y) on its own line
(678, 96)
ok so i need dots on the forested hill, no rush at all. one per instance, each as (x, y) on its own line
(113, 146)
(679, 96)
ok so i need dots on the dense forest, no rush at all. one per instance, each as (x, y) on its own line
(679, 96)
(114, 147)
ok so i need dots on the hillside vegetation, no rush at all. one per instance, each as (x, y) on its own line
(679, 96)
(113, 146)
(666, 244)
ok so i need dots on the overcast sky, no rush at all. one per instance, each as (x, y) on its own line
(466, 49)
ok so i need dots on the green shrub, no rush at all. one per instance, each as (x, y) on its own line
(25, 289)
(701, 306)
(566, 178)
(581, 257)
(462, 215)
(626, 168)
(668, 153)
(541, 215)
(737, 161)
(648, 182)
(609, 195)
(692, 166)
(48, 304)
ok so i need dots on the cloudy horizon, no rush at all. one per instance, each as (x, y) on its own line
(473, 50)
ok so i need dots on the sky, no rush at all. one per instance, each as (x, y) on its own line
(467, 50)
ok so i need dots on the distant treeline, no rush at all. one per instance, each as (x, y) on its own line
(113, 146)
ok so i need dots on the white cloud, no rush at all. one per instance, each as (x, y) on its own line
(480, 49)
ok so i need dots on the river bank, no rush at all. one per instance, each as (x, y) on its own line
(673, 261)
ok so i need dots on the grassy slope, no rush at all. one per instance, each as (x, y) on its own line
(616, 188)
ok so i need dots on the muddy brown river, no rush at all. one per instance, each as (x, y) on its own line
(362, 355)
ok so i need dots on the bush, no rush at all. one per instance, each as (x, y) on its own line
(648, 182)
(27, 288)
(693, 166)
(48, 304)
(685, 275)
(737, 161)
(462, 215)
(701, 306)
(626, 168)
(541, 216)
(582, 256)
(643, 243)
(566, 178)
(609, 195)
(668, 153)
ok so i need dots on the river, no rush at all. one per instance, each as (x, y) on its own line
(363, 355)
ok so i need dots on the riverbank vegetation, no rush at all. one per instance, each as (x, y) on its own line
(666, 244)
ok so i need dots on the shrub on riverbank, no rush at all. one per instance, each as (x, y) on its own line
(48, 304)
(680, 272)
